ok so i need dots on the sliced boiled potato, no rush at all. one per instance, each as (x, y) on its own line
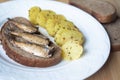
(43, 16)
(72, 50)
(50, 26)
(64, 24)
(33, 13)
(41, 20)
(48, 13)
(64, 35)
(59, 17)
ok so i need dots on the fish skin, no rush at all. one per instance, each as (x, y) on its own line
(34, 49)
(37, 39)
(23, 27)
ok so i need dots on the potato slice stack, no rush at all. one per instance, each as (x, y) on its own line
(65, 34)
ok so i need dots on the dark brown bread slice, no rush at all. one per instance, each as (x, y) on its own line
(24, 57)
(0, 37)
(101, 10)
(113, 30)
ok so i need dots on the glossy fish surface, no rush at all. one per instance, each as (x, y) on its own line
(33, 38)
(42, 51)
(24, 27)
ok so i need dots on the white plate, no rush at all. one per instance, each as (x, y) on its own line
(96, 48)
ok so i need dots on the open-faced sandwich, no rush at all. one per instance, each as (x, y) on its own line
(26, 45)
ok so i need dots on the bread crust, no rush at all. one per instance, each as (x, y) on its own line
(41, 62)
(113, 30)
(33, 61)
(93, 7)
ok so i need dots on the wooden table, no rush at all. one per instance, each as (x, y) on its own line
(111, 69)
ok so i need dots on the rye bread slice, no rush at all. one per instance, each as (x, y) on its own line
(24, 57)
(0, 37)
(113, 30)
(103, 11)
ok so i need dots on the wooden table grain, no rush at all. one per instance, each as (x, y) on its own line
(111, 69)
(3, 1)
